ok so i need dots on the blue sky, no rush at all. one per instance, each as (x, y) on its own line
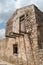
(8, 7)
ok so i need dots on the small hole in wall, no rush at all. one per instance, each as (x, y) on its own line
(15, 48)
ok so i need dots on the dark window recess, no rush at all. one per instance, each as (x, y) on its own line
(39, 44)
(15, 48)
(22, 18)
(22, 23)
(40, 47)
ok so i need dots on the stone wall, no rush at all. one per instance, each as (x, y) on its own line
(31, 23)
(2, 46)
(39, 20)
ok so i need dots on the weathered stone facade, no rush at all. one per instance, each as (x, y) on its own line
(23, 44)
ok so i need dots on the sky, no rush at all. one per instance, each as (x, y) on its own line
(8, 7)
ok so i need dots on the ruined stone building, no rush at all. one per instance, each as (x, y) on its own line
(23, 44)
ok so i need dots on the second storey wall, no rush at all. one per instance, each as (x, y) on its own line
(39, 21)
